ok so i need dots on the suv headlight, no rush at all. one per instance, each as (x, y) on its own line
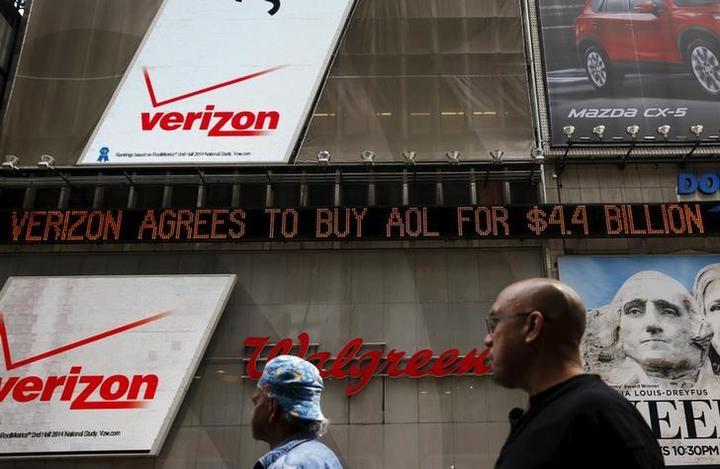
(717, 16)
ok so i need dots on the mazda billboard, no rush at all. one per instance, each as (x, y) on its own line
(646, 70)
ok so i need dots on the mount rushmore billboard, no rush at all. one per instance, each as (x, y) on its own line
(653, 333)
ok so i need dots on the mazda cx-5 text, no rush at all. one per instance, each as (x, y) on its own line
(615, 37)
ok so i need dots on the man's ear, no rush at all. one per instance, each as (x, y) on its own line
(534, 325)
(275, 411)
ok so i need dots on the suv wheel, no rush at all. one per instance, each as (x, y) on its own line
(704, 61)
(597, 66)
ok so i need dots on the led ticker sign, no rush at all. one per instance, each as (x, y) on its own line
(360, 223)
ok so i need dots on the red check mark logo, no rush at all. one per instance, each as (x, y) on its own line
(157, 103)
(11, 365)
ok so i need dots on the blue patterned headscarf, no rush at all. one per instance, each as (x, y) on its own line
(296, 384)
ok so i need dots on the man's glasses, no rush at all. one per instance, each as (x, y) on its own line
(492, 320)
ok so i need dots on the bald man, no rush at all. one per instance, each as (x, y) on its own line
(573, 419)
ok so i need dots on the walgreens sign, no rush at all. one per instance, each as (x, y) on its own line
(359, 362)
(220, 82)
(76, 344)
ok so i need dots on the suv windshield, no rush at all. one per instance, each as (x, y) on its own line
(692, 3)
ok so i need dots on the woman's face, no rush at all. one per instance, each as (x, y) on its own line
(711, 301)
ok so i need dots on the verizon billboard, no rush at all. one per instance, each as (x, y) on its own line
(100, 365)
(220, 82)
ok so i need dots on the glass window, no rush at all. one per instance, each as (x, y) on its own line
(596, 5)
(457, 192)
(426, 76)
(184, 196)
(47, 198)
(388, 194)
(252, 195)
(148, 196)
(11, 198)
(218, 195)
(422, 193)
(321, 195)
(634, 3)
(115, 196)
(7, 35)
(286, 195)
(355, 194)
(491, 192)
(691, 3)
(612, 6)
(62, 86)
(523, 192)
(81, 196)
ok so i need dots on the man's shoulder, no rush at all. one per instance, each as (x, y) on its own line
(593, 404)
(312, 454)
(599, 408)
(591, 393)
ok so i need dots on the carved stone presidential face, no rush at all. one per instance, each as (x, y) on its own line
(658, 321)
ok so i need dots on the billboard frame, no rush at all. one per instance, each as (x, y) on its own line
(302, 128)
(588, 148)
(191, 370)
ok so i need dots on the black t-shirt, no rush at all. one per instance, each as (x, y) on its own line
(581, 422)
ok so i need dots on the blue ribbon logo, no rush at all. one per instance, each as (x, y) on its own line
(104, 155)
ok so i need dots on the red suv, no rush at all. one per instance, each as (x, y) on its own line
(617, 36)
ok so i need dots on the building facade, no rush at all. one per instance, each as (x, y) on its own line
(427, 104)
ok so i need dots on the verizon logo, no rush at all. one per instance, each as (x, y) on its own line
(216, 123)
(243, 123)
(82, 391)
